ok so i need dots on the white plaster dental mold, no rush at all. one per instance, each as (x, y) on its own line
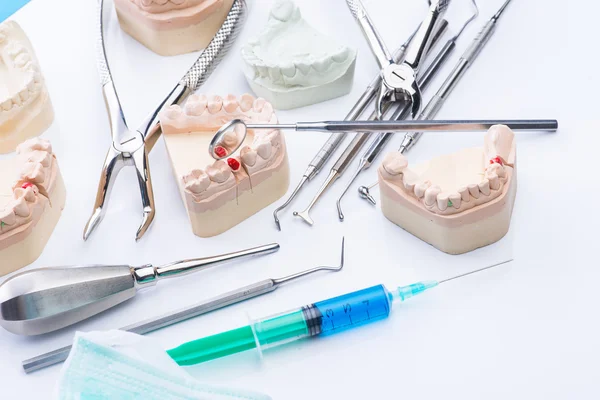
(220, 194)
(25, 108)
(457, 202)
(293, 65)
(171, 27)
(31, 205)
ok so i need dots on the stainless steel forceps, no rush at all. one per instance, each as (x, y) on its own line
(131, 147)
(399, 81)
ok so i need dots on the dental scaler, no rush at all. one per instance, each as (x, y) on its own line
(322, 318)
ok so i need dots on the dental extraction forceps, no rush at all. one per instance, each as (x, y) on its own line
(399, 81)
(150, 325)
(359, 140)
(335, 140)
(131, 147)
(382, 138)
(438, 100)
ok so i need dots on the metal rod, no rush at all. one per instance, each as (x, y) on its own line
(474, 272)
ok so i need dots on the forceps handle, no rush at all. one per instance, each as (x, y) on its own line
(422, 41)
(384, 58)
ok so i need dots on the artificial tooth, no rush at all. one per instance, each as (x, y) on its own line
(33, 172)
(455, 199)
(22, 59)
(34, 144)
(474, 190)
(230, 139)
(2, 37)
(218, 172)
(197, 181)
(230, 103)
(394, 163)
(420, 188)
(494, 180)
(264, 149)
(442, 201)
(464, 194)
(37, 77)
(196, 104)
(178, 2)
(275, 74)
(267, 110)
(14, 50)
(28, 193)
(484, 187)
(303, 67)
(431, 194)
(161, 2)
(262, 71)
(274, 137)
(40, 156)
(215, 104)
(323, 64)
(248, 156)
(409, 186)
(258, 105)
(7, 104)
(341, 55)
(21, 208)
(8, 216)
(31, 86)
(146, 3)
(246, 101)
(173, 112)
(24, 95)
(497, 169)
(16, 99)
(288, 70)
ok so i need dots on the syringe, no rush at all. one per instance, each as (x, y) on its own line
(322, 318)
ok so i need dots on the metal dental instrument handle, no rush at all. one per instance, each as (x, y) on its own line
(457, 73)
(403, 111)
(131, 147)
(411, 138)
(368, 29)
(468, 125)
(204, 307)
(44, 300)
(334, 141)
(400, 81)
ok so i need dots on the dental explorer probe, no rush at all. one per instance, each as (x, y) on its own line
(402, 111)
(361, 138)
(436, 103)
(334, 141)
(150, 325)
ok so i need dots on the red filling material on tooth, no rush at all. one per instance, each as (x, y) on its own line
(233, 164)
(220, 151)
(26, 185)
(496, 160)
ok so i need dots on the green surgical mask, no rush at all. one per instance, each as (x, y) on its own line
(123, 365)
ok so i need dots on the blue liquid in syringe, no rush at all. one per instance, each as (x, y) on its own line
(347, 311)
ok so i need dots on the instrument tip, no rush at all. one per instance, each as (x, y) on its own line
(501, 10)
(305, 217)
(363, 191)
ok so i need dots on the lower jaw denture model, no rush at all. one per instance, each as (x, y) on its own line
(30, 207)
(171, 27)
(25, 108)
(217, 194)
(456, 202)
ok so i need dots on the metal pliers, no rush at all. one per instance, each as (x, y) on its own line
(131, 147)
(399, 81)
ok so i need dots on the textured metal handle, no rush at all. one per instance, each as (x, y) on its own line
(376, 43)
(217, 48)
(479, 42)
(422, 40)
(101, 61)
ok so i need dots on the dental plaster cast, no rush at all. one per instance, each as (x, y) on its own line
(293, 65)
(171, 27)
(220, 194)
(25, 108)
(30, 207)
(457, 202)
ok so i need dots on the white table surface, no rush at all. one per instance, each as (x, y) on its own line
(526, 330)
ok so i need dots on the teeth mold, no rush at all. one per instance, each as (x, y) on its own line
(220, 194)
(457, 202)
(30, 207)
(293, 65)
(25, 108)
(171, 27)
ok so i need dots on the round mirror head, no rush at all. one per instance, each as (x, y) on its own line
(228, 139)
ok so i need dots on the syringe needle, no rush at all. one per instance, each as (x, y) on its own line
(475, 271)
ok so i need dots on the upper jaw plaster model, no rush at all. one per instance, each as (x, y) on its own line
(292, 65)
(217, 194)
(171, 27)
(30, 206)
(25, 108)
(456, 202)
